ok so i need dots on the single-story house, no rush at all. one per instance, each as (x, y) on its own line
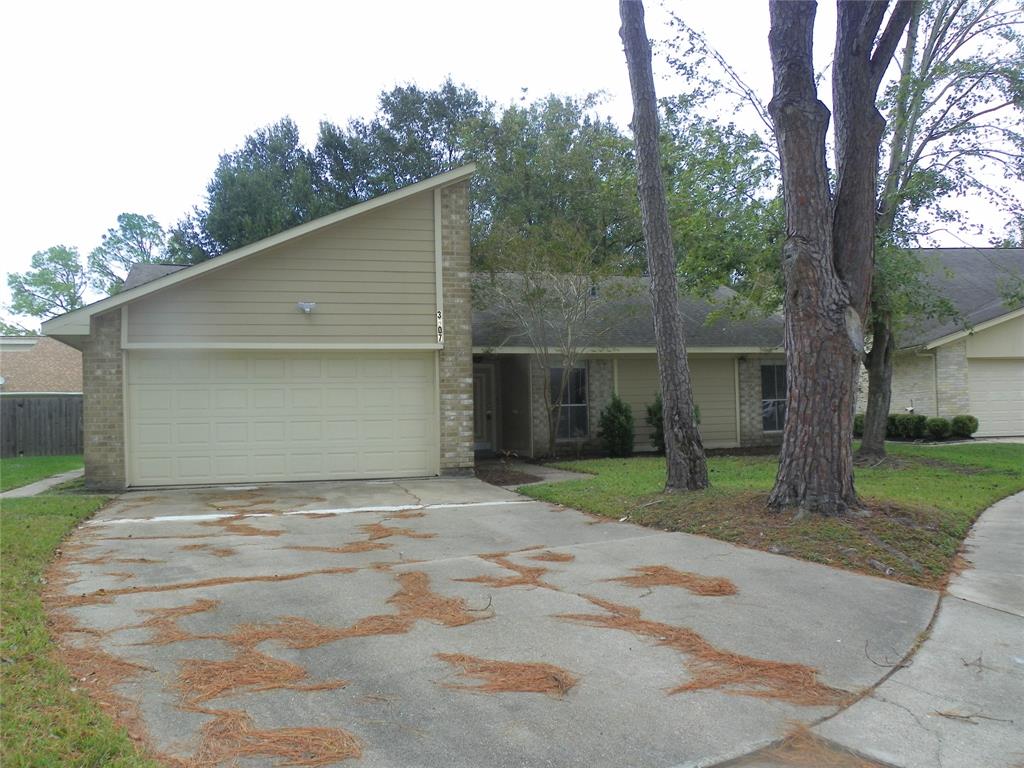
(39, 365)
(737, 371)
(973, 363)
(338, 349)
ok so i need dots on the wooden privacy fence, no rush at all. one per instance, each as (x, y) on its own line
(40, 425)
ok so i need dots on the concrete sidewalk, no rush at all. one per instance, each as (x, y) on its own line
(39, 486)
(960, 700)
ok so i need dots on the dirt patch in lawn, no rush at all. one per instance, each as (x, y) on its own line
(664, 576)
(895, 541)
(509, 676)
(497, 474)
(712, 668)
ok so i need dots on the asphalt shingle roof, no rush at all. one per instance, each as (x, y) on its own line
(974, 280)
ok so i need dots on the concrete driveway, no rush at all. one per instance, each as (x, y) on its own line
(296, 624)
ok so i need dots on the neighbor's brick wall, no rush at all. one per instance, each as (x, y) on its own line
(456, 359)
(103, 378)
(751, 433)
(913, 382)
(951, 378)
(46, 366)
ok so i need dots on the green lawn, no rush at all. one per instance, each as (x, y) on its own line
(44, 721)
(15, 473)
(923, 500)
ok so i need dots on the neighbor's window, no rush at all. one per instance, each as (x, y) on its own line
(572, 416)
(773, 397)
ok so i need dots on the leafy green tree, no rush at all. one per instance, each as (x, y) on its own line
(552, 171)
(54, 284)
(954, 125)
(724, 206)
(137, 239)
(14, 329)
(265, 187)
(415, 134)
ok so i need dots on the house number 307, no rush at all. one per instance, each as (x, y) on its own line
(440, 328)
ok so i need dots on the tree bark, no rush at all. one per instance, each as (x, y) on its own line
(879, 395)
(879, 365)
(684, 452)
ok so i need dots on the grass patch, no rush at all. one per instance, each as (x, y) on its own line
(924, 500)
(23, 470)
(44, 720)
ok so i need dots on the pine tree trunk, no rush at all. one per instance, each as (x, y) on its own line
(684, 452)
(876, 414)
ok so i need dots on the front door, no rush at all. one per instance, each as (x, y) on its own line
(483, 406)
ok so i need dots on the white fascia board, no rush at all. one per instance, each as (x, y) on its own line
(76, 323)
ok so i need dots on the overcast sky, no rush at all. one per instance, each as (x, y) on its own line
(125, 106)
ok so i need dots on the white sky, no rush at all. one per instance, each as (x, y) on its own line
(125, 106)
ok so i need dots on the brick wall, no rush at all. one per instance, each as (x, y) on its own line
(456, 359)
(913, 382)
(951, 378)
(751, 431)
(103, 377)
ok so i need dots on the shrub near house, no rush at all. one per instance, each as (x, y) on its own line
(916, 426)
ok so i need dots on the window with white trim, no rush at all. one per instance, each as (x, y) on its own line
(773, 397)
(573, 421)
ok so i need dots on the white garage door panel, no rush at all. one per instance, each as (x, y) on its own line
(231, 416)
(996, 391)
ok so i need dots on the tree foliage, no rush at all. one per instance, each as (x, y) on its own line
(137, 239)
(53, 285)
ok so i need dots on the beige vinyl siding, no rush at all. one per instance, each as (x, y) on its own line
(714, 391)
(1003, 340)
(372, 278)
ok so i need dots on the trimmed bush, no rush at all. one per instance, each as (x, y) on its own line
(939, 428)
(963, 426)
(890, 426)
(907, 426)
(656, 421)
(917, 426)
(615, 427)
(858, 425)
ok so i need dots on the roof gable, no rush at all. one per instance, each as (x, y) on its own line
(76, 323)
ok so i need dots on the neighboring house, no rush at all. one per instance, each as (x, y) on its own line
(37, 364)
(737, 371)
(972, 364)
(338, 349)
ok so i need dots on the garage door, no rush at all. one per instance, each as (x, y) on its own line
(996, 390)
(197, 417)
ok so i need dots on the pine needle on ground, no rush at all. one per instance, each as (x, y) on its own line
(663, 576)
(509, 676)
(711, 668)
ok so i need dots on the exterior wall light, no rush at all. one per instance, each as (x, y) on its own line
(306, 306)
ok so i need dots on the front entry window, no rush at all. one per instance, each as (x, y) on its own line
(572, 415)
(773, 397)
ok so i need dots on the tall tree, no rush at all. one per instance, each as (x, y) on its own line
(262, 188)
(687, 466)
(54, 284)
(137, 239)
(828, 256)
(954, 113)
(555, 215)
